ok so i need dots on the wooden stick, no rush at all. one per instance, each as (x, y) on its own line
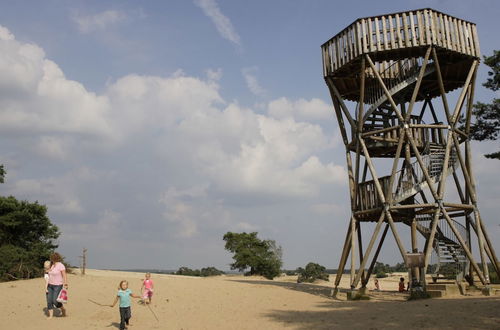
(156, 317)
(99, 304)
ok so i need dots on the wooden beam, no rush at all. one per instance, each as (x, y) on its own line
(396, 235)
(343, 107)
(419, 82)
(353, 248)
(369, 249)
(460, 101)
(375, 256)
(441, 85)
(343, 257)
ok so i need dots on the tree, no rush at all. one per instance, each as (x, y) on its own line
(27, 238)
(2, 173)
(263, 257)
(311, 273)
(487, 115)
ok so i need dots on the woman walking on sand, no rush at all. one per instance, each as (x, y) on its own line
(57, 279)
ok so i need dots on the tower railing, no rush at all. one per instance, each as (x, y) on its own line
(397, 31)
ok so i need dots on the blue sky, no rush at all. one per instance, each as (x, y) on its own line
(152, 128)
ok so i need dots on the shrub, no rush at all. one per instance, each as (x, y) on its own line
(311, 273)
(380, 274)
(204, 272)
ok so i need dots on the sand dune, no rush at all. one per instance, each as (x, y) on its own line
(237, 302)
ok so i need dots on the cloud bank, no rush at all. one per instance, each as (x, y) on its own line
(153, 157)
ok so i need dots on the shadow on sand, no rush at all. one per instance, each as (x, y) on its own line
(429, 314)
(386, 309)
(114, 324)
(322, 290)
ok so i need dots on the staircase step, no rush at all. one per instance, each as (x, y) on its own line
(436, 293)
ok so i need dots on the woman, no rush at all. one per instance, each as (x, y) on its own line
(57, 279)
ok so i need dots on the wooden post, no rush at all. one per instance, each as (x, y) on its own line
(84, 261)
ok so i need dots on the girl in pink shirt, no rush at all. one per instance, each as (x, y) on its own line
(57, 279)
(147, 289)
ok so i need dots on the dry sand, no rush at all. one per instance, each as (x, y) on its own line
(237, 302)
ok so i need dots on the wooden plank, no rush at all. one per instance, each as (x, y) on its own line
(427, 25)
(412, 25)
(440, 33)
(398, 32)
(384, 33)
(405, 31)
(348, 45)
(359, 49)
(325, 59)
(363, 31)
(457, 37)
(342, 49)
(432, 17)
(421, 28)
(453, 34)
(476, 40)
(449, 42)
(466, 38)
(446, 42)
(471, 40)
(377, 33)
(391, 28)
(370, 36)
(461, 36)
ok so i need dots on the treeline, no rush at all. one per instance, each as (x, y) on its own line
(204, 272)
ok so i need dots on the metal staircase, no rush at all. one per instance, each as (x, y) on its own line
(398, 76)
(449, 257)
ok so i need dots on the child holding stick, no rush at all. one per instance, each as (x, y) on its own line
(124, 294)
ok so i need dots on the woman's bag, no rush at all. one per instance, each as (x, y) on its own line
(63, 296)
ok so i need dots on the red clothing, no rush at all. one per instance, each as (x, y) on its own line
(401, 286)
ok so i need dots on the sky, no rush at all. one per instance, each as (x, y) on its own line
(152, 128)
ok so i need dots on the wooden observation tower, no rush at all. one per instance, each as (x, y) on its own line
(408, 155)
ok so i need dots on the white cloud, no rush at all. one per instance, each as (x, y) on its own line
(250, 75)
(178, 126)
(99, 21)
(60, 194)
(314, 109)
(222, 23)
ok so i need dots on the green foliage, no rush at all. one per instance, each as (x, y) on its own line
(311, 273)
(486, 125)
(2, 173)
(210, 271)
(263, 257)
(493, 274)
(26, 238)
(204, 272)
(381, 268)
(399, 267)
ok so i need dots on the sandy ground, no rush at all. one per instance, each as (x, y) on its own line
(237, 302)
